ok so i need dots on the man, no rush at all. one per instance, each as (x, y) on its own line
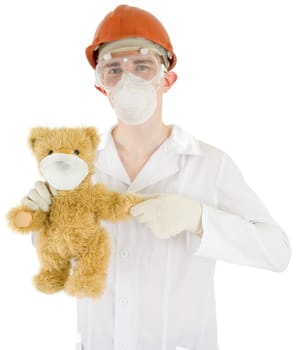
(160, 293)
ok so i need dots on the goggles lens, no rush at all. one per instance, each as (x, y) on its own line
(110, 71)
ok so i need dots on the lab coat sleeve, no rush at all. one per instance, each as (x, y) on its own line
(239, 228)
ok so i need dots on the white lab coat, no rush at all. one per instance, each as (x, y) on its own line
(160, 293)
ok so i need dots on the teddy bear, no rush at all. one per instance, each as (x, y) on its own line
(70, 230)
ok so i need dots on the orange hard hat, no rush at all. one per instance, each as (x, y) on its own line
(130, 22)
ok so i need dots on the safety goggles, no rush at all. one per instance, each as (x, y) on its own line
(112, 67)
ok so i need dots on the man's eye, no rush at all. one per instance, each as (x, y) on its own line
(142, 67)
(114, 71)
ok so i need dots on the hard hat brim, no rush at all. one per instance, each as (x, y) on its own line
(93, 52)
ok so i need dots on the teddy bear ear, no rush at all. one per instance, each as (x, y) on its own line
(35, 134)
(92, 133)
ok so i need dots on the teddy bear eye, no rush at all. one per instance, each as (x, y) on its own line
(76, 151)
(50, 151)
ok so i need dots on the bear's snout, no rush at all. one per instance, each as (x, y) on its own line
(62, 165)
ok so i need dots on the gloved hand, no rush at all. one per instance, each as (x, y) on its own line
(39, 197)
(168, 214)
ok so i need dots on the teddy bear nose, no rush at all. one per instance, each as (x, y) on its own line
(62, 165)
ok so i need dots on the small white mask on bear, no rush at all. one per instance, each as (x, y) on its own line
(63, 171)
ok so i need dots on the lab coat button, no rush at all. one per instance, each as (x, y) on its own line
(123, 301)
(124, 254)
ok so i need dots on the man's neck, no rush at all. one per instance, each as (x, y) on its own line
(136, 144)
(140, 140)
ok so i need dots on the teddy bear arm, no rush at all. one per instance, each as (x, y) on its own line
(114, 206)
(25, 220)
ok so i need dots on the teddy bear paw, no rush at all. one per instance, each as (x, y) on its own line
(50, 281)
(85, 285)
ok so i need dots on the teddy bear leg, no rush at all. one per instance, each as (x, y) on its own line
(53, 273)
(90, 273)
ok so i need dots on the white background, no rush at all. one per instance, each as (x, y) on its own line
(236, 90)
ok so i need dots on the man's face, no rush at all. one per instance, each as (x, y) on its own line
(145, 67)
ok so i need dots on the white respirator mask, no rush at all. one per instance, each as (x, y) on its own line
(131, 81)
(133, 99)
(63, 171)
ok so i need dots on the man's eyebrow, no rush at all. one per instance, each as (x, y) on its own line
(147, 60)
(112, 64)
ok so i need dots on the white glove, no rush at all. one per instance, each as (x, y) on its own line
(168, 214)
(39, 197)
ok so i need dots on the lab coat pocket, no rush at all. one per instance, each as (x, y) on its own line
(181, 348)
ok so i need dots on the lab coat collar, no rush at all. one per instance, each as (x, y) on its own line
(163, 163)
(180, 141)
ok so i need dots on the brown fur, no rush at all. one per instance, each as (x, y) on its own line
(71, 229)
